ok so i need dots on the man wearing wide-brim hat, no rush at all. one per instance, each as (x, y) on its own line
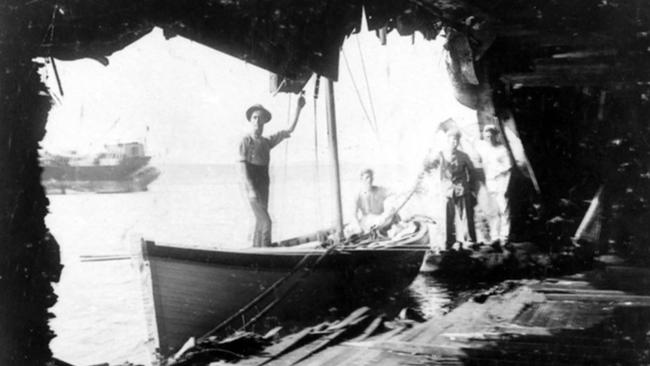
(254, 156)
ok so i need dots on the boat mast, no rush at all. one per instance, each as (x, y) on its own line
(331, 128)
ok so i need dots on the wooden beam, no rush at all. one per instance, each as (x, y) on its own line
(411, 348)
(567, 39)
(588, 53)
(578, 40)
(606, 60)
(636, 300)
(596, 68)
(331, 124)
(578, 76)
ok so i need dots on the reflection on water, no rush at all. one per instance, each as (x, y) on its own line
(435, 296)
(428, 296)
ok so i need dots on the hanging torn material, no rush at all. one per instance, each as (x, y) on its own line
(462, 57)
(591, 224)
(447, 125)
(516, 150)
(280, 84)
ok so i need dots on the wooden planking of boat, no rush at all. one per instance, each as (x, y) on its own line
(195, 290)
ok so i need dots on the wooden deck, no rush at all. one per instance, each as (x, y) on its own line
(596, 318)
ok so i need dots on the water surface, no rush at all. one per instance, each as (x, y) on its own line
(100, 313)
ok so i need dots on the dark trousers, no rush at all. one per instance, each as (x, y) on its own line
(259, 176)
(461, 208)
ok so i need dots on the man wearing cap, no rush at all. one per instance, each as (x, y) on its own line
(457, 173)
(254, 156)
(497, 166)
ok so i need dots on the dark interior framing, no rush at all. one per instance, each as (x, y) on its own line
(574, 76)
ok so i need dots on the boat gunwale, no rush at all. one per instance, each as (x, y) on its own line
(152, 249)
(279, 251)
(280, 260)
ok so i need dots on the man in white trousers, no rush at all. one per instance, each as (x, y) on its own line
(497, 166)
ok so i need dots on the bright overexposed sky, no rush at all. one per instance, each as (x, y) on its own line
(187, 102)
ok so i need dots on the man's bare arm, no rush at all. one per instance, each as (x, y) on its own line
(299, 106)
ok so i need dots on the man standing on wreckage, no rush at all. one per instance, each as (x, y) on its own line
(497, 166)
(457, 174)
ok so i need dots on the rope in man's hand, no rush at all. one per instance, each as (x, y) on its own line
(391, 216)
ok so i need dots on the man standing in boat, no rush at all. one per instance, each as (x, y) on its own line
(457, 174)
(254, 158)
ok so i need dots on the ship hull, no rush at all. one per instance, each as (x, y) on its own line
(118, 172)
(130, 176)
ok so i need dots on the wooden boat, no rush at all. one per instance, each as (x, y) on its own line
(205, 292)
(196, 289)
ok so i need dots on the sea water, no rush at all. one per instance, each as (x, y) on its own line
(100, 314)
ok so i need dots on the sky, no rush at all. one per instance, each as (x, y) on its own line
(187, 102)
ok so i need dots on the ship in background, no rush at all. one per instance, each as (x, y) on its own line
(120, 168)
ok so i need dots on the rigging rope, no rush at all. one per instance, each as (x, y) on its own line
(356, 89)
(282, 83)
(317, 171)
(286, 151)
(316, 87)
(302, 264)
(365, 75)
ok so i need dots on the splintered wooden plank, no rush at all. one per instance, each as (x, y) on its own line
(578, 291)
(290, 343)
(634, 271)
(344, 355)
(552, 353)
(568, 282)
(376, 323)
(569, 340)
(362, 356)
(539, 335)
(538, 314)
(586, 53)
(572, 76)
(327, 340)
(562, 314)
(495, 348)
(309, 340)
(602, 297)
(411, 348)
(521, 330)
(351, 318)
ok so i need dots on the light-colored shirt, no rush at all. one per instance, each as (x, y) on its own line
(496, 165)
(257, 150)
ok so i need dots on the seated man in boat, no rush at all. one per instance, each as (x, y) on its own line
(457, 176)
(369, 206)
(254, 158)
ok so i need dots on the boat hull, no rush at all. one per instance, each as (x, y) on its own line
(121, 171)
(194, 290)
